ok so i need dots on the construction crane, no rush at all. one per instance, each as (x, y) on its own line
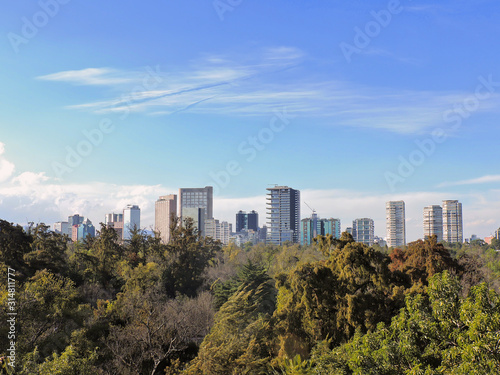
(312, 209)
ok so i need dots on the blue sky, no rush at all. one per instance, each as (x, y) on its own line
(354, 103)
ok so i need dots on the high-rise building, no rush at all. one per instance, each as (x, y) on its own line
(80, 231)
(497, 234)
(131, 220)
(433, 222)
(225, 232)
(395, 223)
(283, 215)
(212, 228)
(191, 200)
(113, 218)
(331, 226)
(452, 221)
(198, 215)
(309, 228)
(218, 230)
(165, 210)
(63, 227)
(364, 231)
(262, 234)
(75, 220)
(247, 221)
(115, 221)
(313, 226)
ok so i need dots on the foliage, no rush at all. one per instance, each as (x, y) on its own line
(434, 334)
(106, 306)
(250, 275)
(240, 341)
(187, 256)
(14, 244)
(353, 289)
(422, 259)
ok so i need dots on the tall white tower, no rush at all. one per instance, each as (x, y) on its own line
(395, 223)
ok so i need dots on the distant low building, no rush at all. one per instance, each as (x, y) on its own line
(218, 230)
(380, 241)
(243, 237)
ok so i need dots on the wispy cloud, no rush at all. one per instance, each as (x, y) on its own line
(384, 53)
(89, 76)
(238, 87)
(473, 181)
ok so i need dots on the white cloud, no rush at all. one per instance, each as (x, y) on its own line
(6, 167)
(473, 181)
(30, 178)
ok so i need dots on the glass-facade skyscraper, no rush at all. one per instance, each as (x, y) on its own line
(196, 203)
(247, 221)
(131, 220)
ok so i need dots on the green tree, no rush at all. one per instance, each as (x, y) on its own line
(353, 289)
(435, 333)
(14, 244)
(422, 259)
(187, 256)
(50, 313)
(241, 340)
(250, 275)
(48, 250)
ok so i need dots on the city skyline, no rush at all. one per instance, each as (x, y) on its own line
(354, 104)
(390, 219)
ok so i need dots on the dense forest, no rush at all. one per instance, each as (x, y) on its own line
(196, 307)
